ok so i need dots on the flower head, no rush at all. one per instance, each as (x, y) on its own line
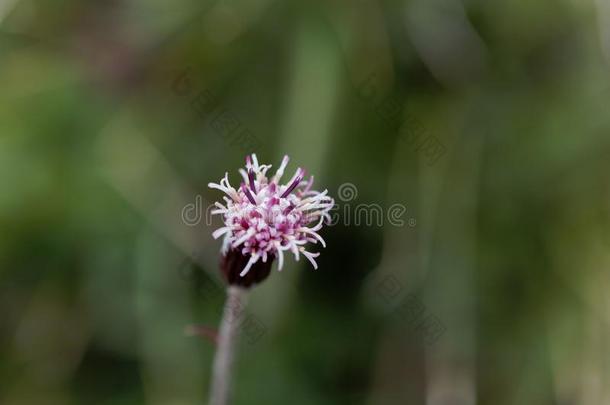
(263, 218)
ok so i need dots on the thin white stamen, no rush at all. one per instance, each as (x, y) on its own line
(314, 234)
(219, 232)
(280, 172)
(249, 233)
(310, 256)
(253, 259)
(280, 257)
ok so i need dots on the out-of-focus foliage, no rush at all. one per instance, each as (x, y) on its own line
(488, 121)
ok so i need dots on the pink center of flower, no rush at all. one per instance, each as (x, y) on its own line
(264, 218)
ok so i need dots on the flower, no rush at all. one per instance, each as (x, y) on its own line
(263, 218)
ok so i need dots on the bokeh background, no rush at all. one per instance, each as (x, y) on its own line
(487, 120)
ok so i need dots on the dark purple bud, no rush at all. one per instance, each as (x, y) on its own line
(251, 178)
(294, 184)
(248, 194)
(234, 262)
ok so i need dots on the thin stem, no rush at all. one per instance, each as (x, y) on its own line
(226, 345)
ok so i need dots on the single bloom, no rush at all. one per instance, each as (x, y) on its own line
(264, 218)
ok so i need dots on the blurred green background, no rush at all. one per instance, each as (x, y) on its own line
(487, 120)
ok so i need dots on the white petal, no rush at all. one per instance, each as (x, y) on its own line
(220, 231)
(244, 175)
(310, 256)
(244, 237)
(253, 259)
(280, 171)
(280, 258)
(314, 234)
